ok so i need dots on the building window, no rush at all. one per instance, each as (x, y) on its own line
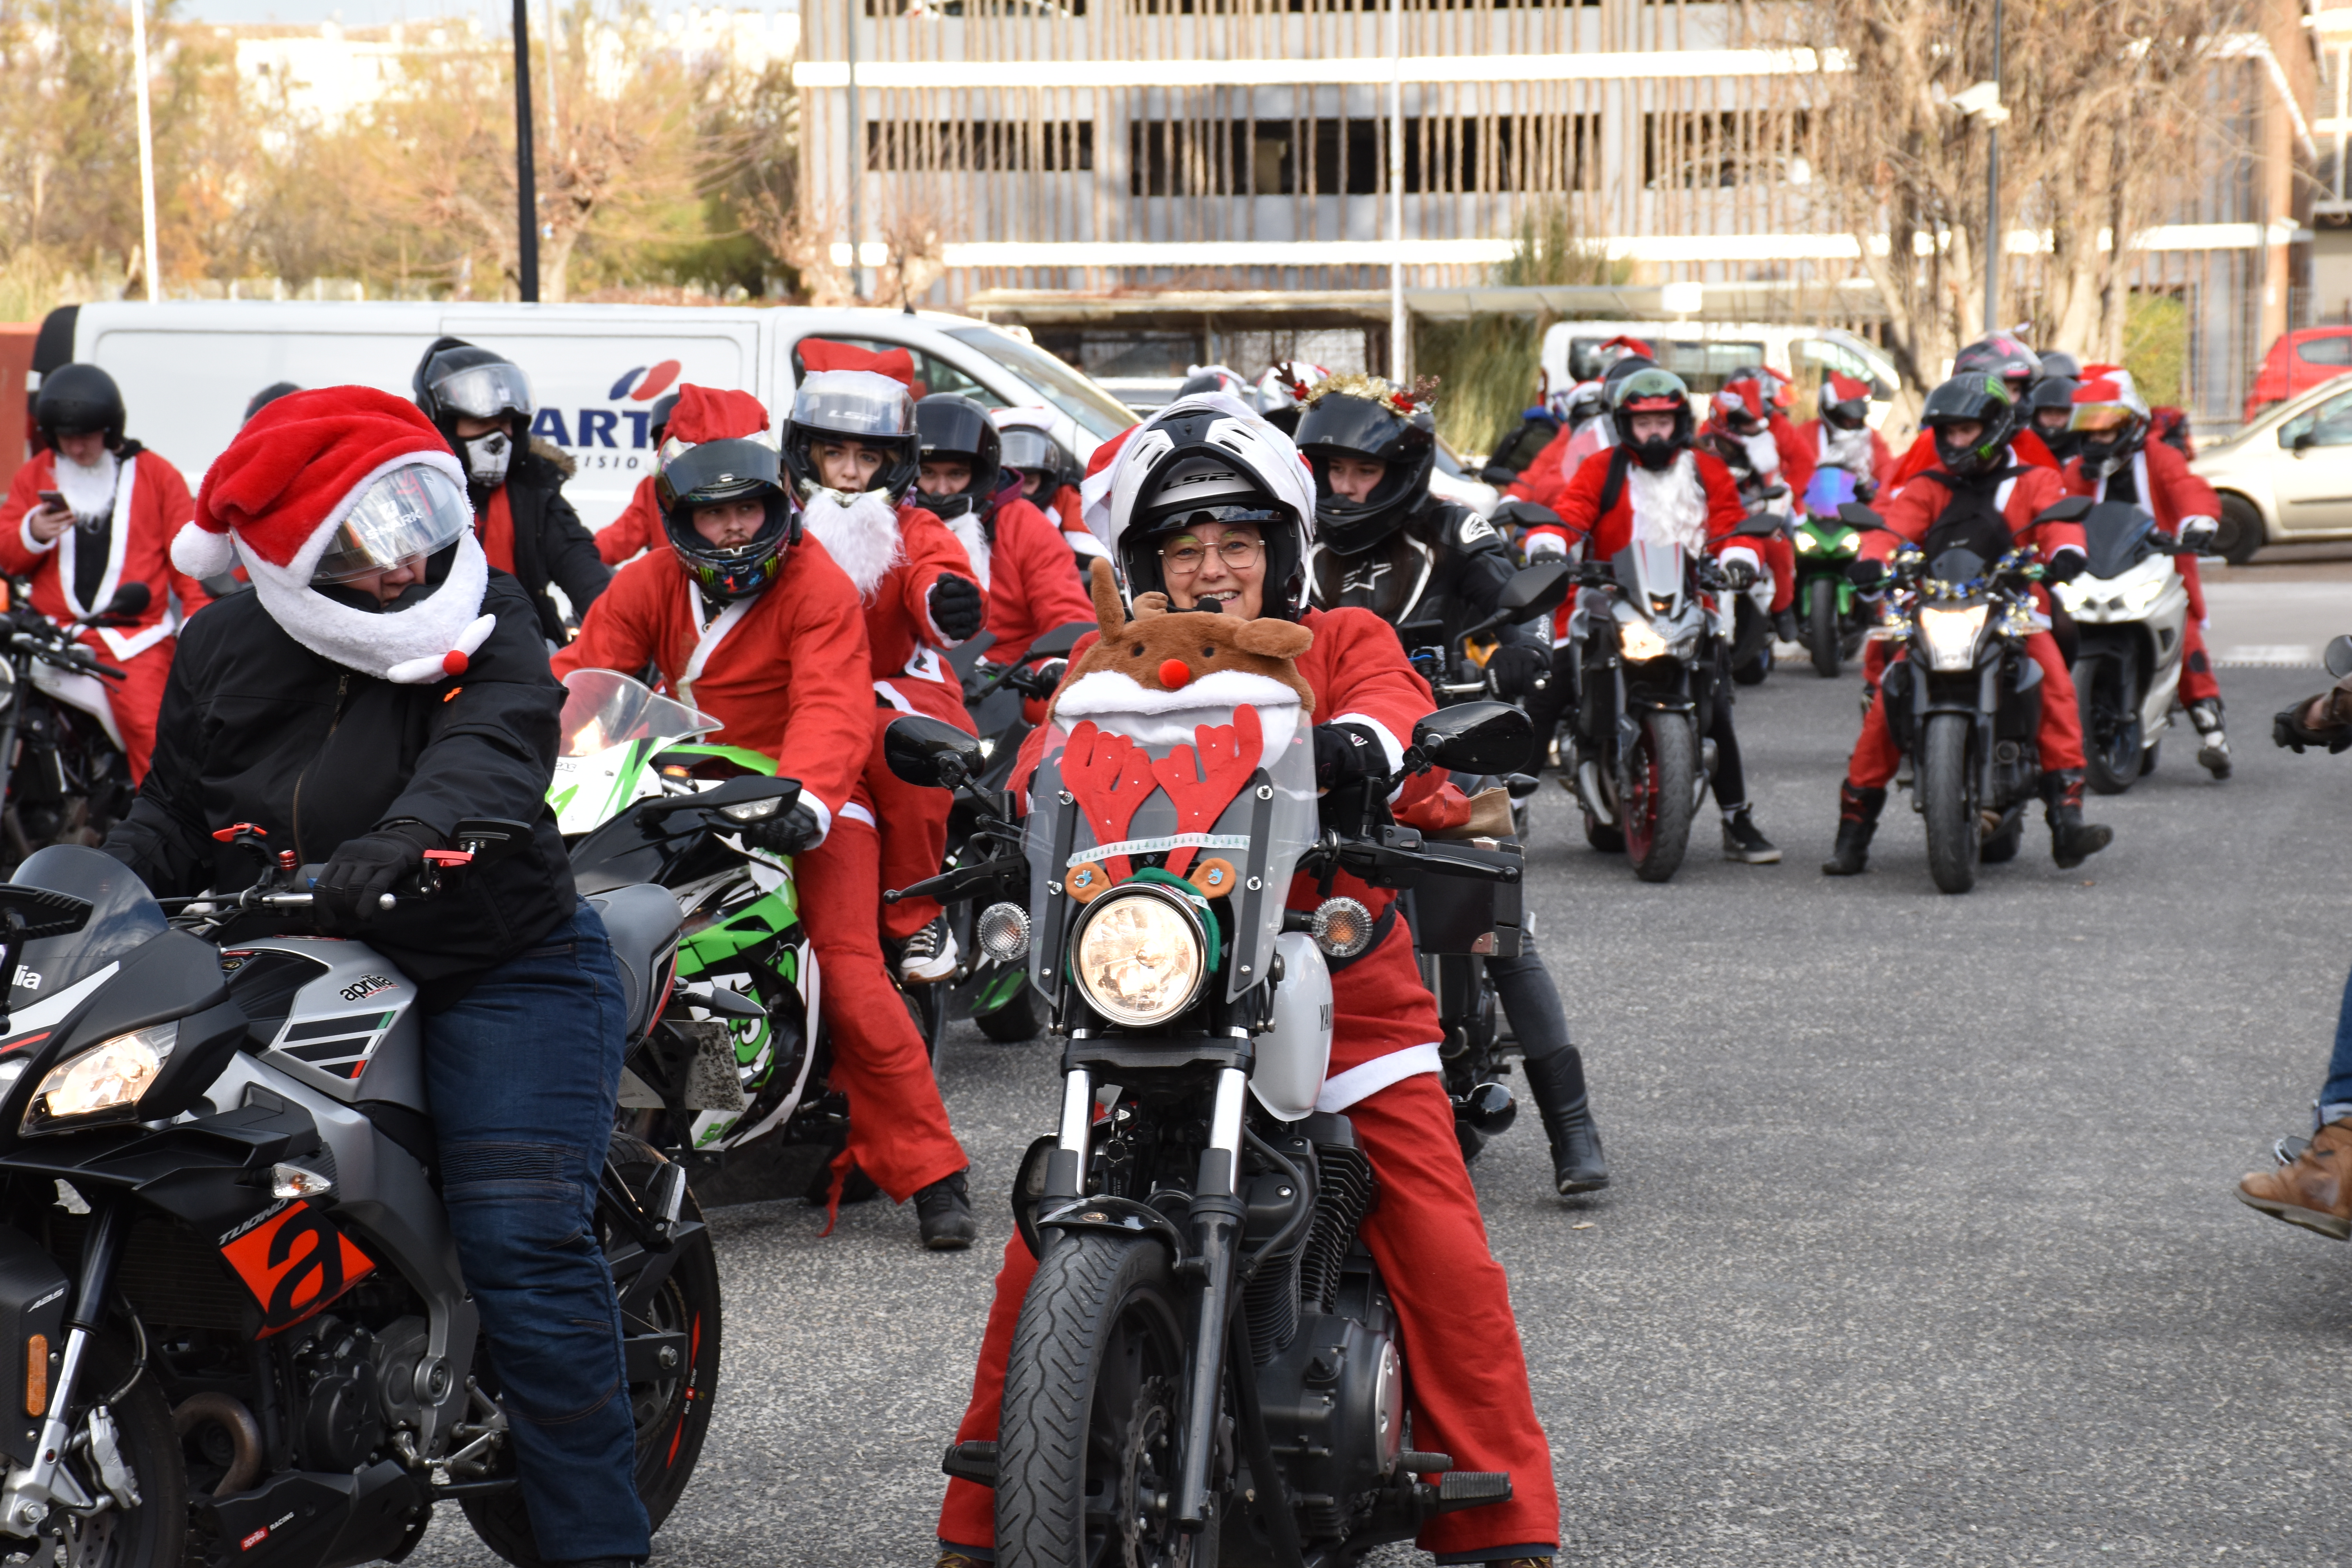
(980, 146)
(1345, 157)
(1501, 153)
(1263, 8)
(1696, 149)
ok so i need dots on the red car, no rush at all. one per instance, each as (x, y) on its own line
(2298, 362)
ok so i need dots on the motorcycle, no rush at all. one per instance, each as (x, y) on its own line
(1206, 1367)
(2131, 615)
(1832, 620)
(241, 1331)
(1965, 704)
(1648, 647)
(640, 799)
(1749, 642)
(62, 770)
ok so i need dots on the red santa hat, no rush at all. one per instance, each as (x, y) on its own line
(708, 414)
(2110, 384)
(823, 353)
(280, 493)
(1847, 389)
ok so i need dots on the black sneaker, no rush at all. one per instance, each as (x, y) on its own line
(944, 1209)
(930, 956)
(1742, 842)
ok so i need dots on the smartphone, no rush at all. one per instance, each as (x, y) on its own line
(55, 499)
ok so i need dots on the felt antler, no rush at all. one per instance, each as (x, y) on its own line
(1227, 756)
(1111, 778)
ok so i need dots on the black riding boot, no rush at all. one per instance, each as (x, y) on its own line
(1557, 1081)
(2071, 840)
(1858, 812)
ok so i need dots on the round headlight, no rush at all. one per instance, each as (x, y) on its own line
(1139, 956)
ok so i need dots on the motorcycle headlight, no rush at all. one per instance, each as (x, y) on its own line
(1140, 957)
(1845, 543)
(107, 1078)
(2141, 597)
(1950, 636)
(1640, 642)
(1807, 541)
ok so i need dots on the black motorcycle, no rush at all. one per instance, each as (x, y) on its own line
(64, 779)
(1206, 1366)
(239, 1330)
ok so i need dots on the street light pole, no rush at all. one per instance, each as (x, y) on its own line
(525, 192)
(857, 145)
(1398, 344)
(146, 146)
(1993, 256)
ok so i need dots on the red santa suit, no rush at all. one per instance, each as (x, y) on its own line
(1862, 452)
(2025, 446)
(785, 671)
(2163, 484)
(2019, 498)
(1025, 569)
(151, 503)
(637, 529)
(1709, 527)
(1467, 1381)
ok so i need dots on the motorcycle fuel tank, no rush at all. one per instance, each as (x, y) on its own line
(1293, 1054)
(336, 1016)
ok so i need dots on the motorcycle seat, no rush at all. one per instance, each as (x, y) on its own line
(641, 920)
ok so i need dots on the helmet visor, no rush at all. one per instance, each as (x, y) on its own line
(1649, 391)
(411, 511)
(485, 390)
(1029, 449)
(853, 402)
(1341, 426)
(708, 472)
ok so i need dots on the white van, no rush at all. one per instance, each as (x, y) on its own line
(1704, 353)
(187, 368)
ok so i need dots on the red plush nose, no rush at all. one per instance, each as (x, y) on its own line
(1174, 673)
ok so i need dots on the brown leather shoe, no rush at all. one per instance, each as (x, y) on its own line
(958, 1560)
(2315, 1191)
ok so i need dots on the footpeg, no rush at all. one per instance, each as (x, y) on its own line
(974, 1462)
(665, 1197)
(1413, 1462)
(1472, 1488)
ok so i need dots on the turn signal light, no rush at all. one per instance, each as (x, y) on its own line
(1342, 927)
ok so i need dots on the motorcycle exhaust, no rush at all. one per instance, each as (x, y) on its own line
(230, 1415)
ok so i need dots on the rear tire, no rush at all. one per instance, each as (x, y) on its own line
(1659, 795)
(1093, 1390)
(672, 1414)
(1826, 635)
(1942, 786)
(1014, 1022)
(2111, 732)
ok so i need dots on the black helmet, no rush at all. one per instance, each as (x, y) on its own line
(707, 473)
(1648, 390)
(2055, 392)
(2002, 356)
(456, 379)
(267, 395)
(954, 426)
(2058, 362)
(1846, 402)
(657, 422)
(1196, 465)
(1979, 398)
(1031, 448)
(1620, 368)
(861, 405)
(1358, 417)
(1215, 378)
(79, 400)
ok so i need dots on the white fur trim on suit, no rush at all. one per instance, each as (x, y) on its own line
(38, 546)
(1740, 552)
(972, 535)
(1342, 1090)
(1119, 704)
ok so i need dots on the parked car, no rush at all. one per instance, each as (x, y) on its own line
(2299, 361)
(186, 368)
(2285, 477)
(1704, 353)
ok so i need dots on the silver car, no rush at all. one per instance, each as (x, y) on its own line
(2286, 477)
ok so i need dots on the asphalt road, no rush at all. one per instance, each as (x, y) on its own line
(1923, 1247)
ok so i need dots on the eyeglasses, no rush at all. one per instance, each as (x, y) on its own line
(1190, 556)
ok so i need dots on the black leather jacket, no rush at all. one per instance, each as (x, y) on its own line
(1431, 578)
(551, 543)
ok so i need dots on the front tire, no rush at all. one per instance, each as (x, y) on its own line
(1826, 636)
(2104, 684)
(672, 1412)
(1943, 786)
(1659, 797)
(1013, 1022)
(156, 1533)
(1094, 1391)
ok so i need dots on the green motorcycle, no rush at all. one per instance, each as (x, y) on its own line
(1832, 620)
(639, 799)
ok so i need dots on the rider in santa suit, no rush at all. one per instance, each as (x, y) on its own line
(1546, 479)
(1050, 475)
(122, 505)
(1762, 451)
(752, 622)
(2116, 462)
(639, 527)
(1236, 543)
(1841, 437)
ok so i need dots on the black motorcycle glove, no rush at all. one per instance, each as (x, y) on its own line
(1519, 670)
(1869, 577)
(2288, 730)
(1738, 575)
(1345, 754)
(2063, 567)
(363, 869)
(956, 607)
(786, 832)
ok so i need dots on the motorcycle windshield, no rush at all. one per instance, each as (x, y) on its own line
(1128, 791)
(604, 708)
(124, 915)
(1651, 575)
(2113, 534)
(1956, 567)
(1829, 489)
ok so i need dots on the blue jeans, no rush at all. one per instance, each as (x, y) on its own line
(521, 1076)
(2336, 1098)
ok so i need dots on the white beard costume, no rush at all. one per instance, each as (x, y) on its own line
(88, 491)
(1669, 505)
(860, 532)
(1763, 454)
(1847, 449)
(972, 535)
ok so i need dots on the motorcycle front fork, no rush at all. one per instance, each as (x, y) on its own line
(34, 1489)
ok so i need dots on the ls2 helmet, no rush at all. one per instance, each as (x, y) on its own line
(1981, 398)
(1648, 390)
(861, 405)
(955, 426)
(1361, 416)
(1211, 460)
(79, 400)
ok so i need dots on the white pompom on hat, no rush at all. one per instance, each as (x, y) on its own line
(274, 500)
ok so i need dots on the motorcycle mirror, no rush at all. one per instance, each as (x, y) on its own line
(1763, 525)
(930, 752)
(2339, 657)
(1534, 590)
(1521, 513)
(1497, 475)
(1057, 643)
(740, 791)
(1854, 514)
(2073, 508)
(1477, 738)
(130, 599)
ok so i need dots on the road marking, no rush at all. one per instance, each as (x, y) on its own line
(2285, 656)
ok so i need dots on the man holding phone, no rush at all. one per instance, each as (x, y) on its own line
(89, 514)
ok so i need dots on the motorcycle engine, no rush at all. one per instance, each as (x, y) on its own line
(338, 1412)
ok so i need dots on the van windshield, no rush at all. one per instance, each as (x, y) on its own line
(1702, 366)
(1098, 413)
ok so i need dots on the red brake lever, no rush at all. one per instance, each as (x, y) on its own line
(450, 857)
(228, 833)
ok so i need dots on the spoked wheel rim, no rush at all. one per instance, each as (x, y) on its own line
(1131, 1445)
(1640, 797)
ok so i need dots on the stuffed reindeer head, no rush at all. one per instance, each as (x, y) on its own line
(1167, 650)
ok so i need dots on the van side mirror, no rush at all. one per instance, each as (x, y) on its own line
(1476, 738)
(930, 752)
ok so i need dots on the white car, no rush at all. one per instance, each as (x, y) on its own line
(2286, 477)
